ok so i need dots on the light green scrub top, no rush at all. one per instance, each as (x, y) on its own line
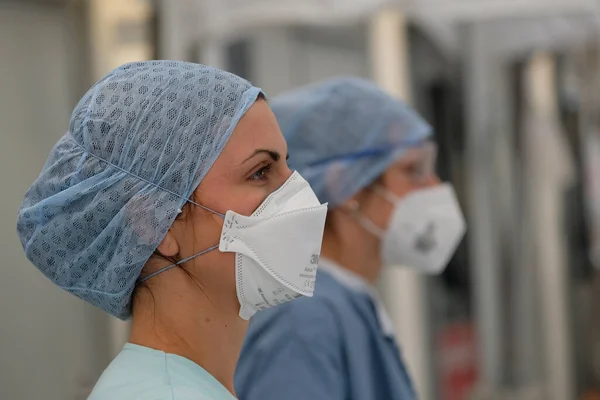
(141, 373)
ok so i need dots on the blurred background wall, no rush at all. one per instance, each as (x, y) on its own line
(45, 352)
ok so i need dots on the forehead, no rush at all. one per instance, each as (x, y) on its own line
(257, 129)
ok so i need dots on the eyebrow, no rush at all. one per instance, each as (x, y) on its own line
(272, 153)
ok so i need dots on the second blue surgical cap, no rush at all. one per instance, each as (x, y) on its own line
(342, 134)
(140, 141)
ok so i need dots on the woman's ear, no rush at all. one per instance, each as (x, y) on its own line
(169, 246)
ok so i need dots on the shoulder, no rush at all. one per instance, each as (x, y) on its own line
(166, 392)
(328, 305)
(158, 391)
(330, 289)
(185, 393)
(140, 373)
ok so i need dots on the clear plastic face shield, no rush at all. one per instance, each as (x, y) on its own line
(419, 162)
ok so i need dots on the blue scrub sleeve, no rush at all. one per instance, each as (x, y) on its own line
(292, 363)
(298, 372)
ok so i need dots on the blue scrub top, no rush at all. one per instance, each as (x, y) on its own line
(328, 347)
(141, 373)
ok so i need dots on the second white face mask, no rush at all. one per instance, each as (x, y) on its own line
(277, 247)
(425, 229)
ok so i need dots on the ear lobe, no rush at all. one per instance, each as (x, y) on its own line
(169, 246)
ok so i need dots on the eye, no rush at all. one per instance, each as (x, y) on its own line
(262, 173)
(410, 168)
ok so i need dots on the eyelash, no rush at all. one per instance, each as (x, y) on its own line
(262, 173)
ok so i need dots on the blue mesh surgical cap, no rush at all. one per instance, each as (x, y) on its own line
(344, 133)
(139, 143)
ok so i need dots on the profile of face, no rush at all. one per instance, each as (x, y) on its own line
(408, 217)
(365, 216)
(251, 167)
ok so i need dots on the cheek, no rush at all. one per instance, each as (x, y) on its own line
(243, 200)
(213, 266)
(385, 214)
(201, 231)
(380, 212)
(246, 203)
(402, 187)
(246, 199)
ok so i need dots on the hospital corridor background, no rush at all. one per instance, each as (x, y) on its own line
(512, 90)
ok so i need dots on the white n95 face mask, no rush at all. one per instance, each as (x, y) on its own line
(277, 247)
(425, 229)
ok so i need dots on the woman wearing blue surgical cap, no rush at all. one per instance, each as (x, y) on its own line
(169, 200)
(369, 156)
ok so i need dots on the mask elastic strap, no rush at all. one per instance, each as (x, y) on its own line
(386, 195)
(191, 257)
(86, 153)
(366, 223)
(206, 208)
(168, 267)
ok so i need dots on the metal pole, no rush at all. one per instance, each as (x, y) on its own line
(175, 34)
(402, 289)
(552, 172)
(483, 243)
(212, 52)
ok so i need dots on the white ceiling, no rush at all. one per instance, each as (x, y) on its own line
(515, 25)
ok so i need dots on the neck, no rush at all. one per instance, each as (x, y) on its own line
(362, 260)
(197, 329)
